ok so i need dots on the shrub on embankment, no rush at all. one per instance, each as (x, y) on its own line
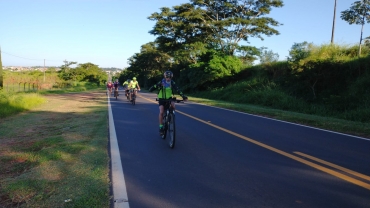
(328, 80)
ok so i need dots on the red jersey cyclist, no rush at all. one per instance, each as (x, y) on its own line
(110, 86)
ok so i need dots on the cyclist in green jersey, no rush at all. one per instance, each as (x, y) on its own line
(134, 85)
(166, 87)
(125, 86)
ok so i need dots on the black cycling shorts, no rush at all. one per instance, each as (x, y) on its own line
(161, 102)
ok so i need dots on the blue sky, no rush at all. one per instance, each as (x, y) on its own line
(108, 32)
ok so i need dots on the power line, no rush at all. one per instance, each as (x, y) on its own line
(32, 59)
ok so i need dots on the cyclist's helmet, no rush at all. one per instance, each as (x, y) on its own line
(134, 78)
(168, 74)
(128, 80)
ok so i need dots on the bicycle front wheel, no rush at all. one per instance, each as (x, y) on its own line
(171, 130)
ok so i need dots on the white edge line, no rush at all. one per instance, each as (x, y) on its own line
(120, 198)
(284, 121)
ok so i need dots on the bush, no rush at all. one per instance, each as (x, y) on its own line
(11, 103)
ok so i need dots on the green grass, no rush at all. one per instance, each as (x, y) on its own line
(15, 102)
(12, 103)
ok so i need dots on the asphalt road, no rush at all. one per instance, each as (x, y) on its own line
(225, 158)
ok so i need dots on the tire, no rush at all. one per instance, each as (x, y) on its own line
(171, 130)
(165, 127)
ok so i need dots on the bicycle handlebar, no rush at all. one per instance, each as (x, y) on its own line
(171, 99)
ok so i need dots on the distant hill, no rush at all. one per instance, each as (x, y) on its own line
(111, 69)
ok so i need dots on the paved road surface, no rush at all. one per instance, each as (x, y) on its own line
(224, 158)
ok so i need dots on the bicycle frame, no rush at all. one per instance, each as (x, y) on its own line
(116, 92)
(169, 120)
(133, 95)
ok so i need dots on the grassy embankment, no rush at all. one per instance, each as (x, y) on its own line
(55, 154)
(327, 88)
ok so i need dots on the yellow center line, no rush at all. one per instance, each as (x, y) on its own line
(291, 156)
(360, 175)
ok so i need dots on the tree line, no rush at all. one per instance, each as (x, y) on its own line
(204, 41)
(201, 41)
(68, 76)
(205, 44)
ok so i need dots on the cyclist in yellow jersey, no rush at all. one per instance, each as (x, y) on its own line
(166, 87)
(134, 85)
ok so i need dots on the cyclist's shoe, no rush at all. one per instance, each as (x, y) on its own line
(161, 130)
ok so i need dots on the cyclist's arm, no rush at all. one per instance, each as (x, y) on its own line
(179, 91)
(156, 86)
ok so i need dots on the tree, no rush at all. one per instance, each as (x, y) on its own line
(359, 14)
(268, 57)
(149, 63)
(65, 72)
(367, 41)
(90, 72)
(221, 24)
(203, 37)
(299, 51)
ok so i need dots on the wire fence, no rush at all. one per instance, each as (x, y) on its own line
(15, 86)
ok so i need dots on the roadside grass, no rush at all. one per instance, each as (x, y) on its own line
(74, 87)
(55, 155)
(361, 129)
(12, 103)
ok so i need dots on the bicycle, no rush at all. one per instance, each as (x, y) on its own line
(127, 94)
(133, 96)
(116, 93)
(169, 121)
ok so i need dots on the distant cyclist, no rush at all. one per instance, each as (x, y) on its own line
(125, 86)
(134, 85)
(116, 86)
(166, 87)
(110, 86)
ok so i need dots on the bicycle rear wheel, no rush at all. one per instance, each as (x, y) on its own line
(163, 135)
(171, 130)
(133, 99)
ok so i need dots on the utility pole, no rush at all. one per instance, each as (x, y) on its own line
(332, 31)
